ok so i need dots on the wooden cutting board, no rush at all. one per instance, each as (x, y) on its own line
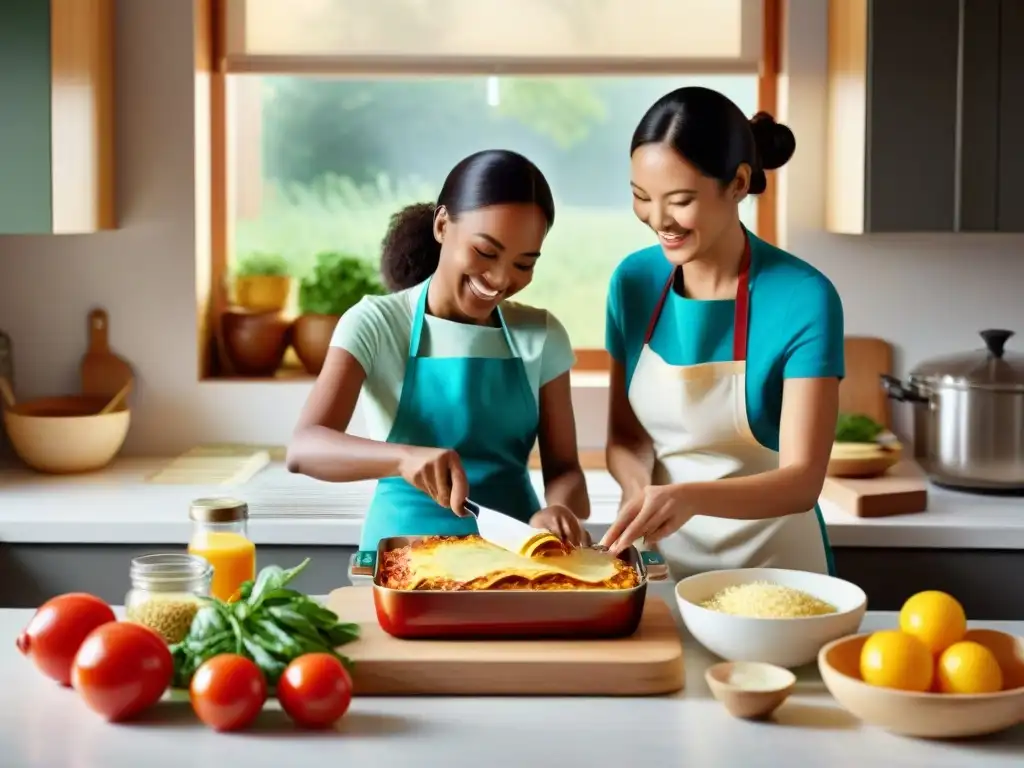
(648, 663)
(861, 389)
(903, 490)
(103, 372)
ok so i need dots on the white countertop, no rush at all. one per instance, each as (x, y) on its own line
(45, 726)
(117, 506)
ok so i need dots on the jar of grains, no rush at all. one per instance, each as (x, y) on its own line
(166, 591)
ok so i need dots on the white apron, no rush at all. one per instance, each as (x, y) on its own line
(696, 416)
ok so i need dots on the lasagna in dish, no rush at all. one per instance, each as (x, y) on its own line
(472, 563)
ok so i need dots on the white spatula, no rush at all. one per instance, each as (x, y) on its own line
(508, 533)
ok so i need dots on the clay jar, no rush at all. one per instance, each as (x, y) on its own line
(255, 342)
(311, 338)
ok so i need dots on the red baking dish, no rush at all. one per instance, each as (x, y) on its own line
(585, 613)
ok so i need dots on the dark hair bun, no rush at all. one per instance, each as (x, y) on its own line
(775, 142)
(409, 252)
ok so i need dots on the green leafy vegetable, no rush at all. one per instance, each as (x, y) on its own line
(336, 283)
(270, 624)
(259, 264)
(857, 428)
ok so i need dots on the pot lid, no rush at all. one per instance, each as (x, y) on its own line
(990, 368)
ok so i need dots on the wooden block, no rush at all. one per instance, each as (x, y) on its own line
(861, 391)
(903, 490)
(648, 663)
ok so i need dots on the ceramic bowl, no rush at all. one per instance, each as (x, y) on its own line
(749, 689)
(784, 642)
(66, 435)
(928, 715)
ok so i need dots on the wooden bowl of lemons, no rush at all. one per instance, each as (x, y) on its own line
(862, 448)
(932, 677)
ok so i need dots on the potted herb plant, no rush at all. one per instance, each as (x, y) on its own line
(262, 282)
(255, 330)
(336, 282)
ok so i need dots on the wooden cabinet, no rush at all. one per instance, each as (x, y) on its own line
(925, 99)
(56, 122)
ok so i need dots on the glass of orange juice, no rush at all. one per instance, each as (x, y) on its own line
(220, 536)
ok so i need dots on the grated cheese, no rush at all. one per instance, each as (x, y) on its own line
(764, 600)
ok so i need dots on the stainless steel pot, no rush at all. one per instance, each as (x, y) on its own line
(969, 416)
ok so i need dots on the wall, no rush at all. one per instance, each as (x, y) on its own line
(928, 294)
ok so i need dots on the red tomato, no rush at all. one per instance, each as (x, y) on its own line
(315, 690)
(122, 669)
(228, 692)
(56, 632)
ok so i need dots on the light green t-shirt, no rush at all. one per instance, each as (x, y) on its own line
(376, 332)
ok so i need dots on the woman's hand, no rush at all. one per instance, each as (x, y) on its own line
(653, 515)
(561, 521)
(438, 473)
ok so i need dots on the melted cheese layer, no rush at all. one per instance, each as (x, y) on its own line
(474, 563)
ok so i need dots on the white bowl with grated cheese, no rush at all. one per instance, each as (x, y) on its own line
(762, 616)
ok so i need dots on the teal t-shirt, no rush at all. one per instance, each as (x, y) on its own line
(796, 326)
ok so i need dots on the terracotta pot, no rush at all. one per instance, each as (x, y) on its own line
(263, 293)
(255, 342)
(311, 338)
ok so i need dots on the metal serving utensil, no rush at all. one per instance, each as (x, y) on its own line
(495, 526)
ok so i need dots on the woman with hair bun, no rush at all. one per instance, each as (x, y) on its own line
(726, 351)
(458, 383)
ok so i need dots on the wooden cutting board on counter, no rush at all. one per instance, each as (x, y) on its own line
(903, 490)
(648, 663)
(861, 390)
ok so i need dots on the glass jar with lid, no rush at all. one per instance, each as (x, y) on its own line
(166, 591)
(220, 535)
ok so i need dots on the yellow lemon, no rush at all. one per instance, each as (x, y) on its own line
(894, 659)
(969, 667)
(935, 618)
(1008, 652)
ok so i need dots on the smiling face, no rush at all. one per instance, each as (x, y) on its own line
(688, 210)
(488, 255)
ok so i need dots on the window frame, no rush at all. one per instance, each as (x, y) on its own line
(215, 158)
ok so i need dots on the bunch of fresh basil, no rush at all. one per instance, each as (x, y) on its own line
(269, 623)
(857, 428)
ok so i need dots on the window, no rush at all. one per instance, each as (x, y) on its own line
(330, 131)
(339, 156)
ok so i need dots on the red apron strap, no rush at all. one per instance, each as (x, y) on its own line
(741, 320)
(658, 307)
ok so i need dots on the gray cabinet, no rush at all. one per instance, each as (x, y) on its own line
(980, 99)
(1010, 203)
(925, 99)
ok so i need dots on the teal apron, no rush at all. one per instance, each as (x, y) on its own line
(483, 409)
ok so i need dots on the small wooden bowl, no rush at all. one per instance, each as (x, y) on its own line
(66, 435)
(750, 689)
(928, 715)
(868, 466)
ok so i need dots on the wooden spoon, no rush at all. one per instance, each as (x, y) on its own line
(116, 399)
(103, 372)
(7, 392)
